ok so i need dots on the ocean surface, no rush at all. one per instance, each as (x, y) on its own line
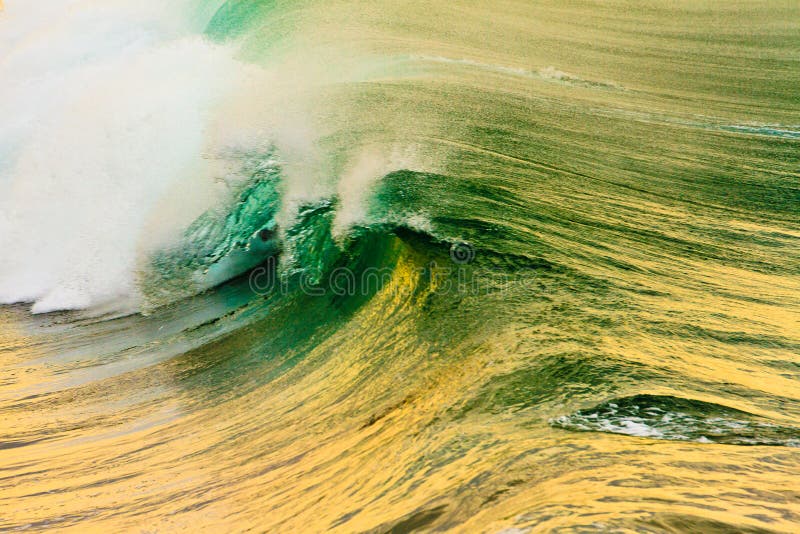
(386, 266)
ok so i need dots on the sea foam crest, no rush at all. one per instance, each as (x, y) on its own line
(104, 114)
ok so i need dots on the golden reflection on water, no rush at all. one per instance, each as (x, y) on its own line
(361, 440)
(602, 120)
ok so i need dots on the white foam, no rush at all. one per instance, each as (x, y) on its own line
(103, 115)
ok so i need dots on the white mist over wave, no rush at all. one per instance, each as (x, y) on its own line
(117, 125)
(104, 114)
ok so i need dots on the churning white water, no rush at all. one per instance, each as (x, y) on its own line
(103, 110)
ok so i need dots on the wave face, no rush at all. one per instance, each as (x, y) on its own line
(393, 267)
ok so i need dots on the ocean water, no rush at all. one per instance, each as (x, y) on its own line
(340, 266)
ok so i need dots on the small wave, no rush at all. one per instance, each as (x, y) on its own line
(676, 419)
(771, 131)
(549, 73)
(553, 74)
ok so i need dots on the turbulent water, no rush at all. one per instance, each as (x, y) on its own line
(503, 266)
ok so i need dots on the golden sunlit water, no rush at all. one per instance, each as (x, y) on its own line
(582, 224)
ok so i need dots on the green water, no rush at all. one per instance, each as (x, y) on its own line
(539, 269)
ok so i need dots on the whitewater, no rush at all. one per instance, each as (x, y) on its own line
(395, 267)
